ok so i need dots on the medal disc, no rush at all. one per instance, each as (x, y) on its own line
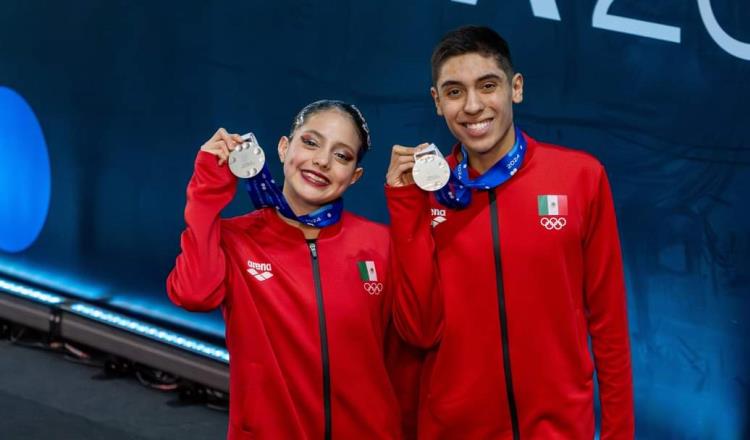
(248, 158)
(431, 171)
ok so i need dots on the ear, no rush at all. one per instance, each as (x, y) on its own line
(283, 147)
(517, 85)
(357, 175)
(436, 99)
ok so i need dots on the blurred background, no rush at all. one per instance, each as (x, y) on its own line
(103, 106)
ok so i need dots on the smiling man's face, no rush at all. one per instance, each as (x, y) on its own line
(474, 95)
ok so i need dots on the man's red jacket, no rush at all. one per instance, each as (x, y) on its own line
(506, 294)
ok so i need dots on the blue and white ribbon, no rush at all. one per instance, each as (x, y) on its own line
(265, 193)
(457, 193)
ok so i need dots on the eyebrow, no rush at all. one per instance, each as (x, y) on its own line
(315, 132)
(452, 82)
(320, 135)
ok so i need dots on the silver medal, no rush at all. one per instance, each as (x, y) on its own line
(431, 171)
(247, 159)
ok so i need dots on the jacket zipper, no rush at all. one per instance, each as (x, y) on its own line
(323, 339)
(495, 224)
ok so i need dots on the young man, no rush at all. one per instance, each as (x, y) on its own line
(505, 273)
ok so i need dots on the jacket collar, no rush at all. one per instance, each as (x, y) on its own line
(531, 144)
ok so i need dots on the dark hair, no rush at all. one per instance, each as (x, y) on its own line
(348, 109)
(472, 39)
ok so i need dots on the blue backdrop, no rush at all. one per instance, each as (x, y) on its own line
(125, 93)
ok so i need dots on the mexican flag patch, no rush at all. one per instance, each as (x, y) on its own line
(367, 271)
(550, 204)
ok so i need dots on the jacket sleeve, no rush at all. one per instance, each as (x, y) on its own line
(606, 311)
(197, 281)
(417, 299)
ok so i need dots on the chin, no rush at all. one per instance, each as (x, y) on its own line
(318, 200)
(481, 147)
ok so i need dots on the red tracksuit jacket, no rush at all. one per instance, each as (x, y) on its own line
(305, 326)
(507, 291)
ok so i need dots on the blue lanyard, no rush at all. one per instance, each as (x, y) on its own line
(457, 193)
(264, 193)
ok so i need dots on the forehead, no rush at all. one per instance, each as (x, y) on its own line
(468, 67)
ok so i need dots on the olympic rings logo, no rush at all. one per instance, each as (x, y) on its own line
(551, 223)
(373, 287)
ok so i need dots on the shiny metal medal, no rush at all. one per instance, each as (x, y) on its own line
(431, 171)
(248, 158)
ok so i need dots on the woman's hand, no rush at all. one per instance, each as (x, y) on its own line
(402, 161)
(221, 144)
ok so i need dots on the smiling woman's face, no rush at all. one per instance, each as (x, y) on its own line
(320, 160)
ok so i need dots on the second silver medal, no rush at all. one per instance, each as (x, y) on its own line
(431, 171)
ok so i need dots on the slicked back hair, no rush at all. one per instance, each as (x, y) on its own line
(348, 109)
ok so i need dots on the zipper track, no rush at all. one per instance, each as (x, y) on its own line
(323, 340)
(495, 224)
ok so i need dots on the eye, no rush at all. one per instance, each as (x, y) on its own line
(343, 156)
(453, 93)
(310, 142)
(489, 87)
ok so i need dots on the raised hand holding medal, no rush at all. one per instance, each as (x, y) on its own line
(423, 165)
(221, 144)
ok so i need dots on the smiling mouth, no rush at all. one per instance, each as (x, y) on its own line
(314, 178)
(478, 128)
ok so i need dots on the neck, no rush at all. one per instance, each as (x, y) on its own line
(297, 206)
(481, 162)
(310, 232)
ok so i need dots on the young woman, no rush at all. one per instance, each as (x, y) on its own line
(300, 282)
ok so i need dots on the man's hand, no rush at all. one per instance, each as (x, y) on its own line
(402, 161)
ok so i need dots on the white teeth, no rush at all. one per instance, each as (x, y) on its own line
(478, 125)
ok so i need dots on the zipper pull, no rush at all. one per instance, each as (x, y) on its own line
(313, 249)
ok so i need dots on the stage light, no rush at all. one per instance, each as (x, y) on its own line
(151, 331)
(29, 293)
(25, 176)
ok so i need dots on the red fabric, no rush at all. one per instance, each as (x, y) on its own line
(559, 286)
(272, 332)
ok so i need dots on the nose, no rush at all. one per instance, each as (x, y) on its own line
(473, 103)
(321, 158)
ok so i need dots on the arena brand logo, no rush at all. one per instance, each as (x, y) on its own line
(261, 271)
(602, 19)
(438, 216)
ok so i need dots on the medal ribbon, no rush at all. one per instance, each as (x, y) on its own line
(457, 193)
(264, 193)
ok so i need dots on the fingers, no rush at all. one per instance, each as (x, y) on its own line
(404, 168)
(401, 150)
(224, 151)
(402, 162)
(230, 140)
(221, 144)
